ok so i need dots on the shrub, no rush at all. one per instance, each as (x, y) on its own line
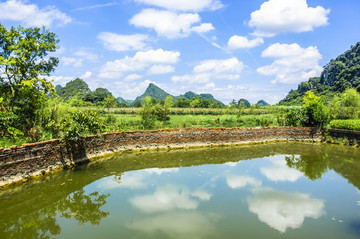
(345, 124)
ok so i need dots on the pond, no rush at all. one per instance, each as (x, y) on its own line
(282, 190)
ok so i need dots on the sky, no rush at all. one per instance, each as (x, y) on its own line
(232, 49)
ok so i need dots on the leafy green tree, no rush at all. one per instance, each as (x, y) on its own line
(314, 112)
(182, 102)
(347, 106)
(24, 63)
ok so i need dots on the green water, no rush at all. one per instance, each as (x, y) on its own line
(284, 190)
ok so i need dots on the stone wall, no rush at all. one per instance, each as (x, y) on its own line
(349, 134)
(18, 163)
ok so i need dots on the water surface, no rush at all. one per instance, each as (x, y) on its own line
(283, 190)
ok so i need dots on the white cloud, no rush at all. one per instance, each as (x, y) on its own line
(283, 210)
(141, 60)
(76, 62)
(157, 56)
(185, 5)
(169, 24)
(132, 77)
(231, 65)
(279, 16)
(235, 181)
(165, 199)
(205, 27)
(117, 42)
(210, 70)
(237, 42)
(131, 90)
(292, 63)
(160, 69)
(59, 80)
(280, 172)
(86, 55)
(31, 15)
(86, 75)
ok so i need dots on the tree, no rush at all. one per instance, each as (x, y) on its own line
(24, 65)
(314, 112)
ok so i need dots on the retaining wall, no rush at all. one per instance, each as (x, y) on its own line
(18, 163)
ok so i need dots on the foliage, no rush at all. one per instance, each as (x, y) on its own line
(79, 123)
(345, 124)
(314, 112)
(243, 103)
(73, 88)
(347, 106)
(338, 75)
(293, 117)
(24, 63)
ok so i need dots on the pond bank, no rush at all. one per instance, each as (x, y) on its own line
(31, 160)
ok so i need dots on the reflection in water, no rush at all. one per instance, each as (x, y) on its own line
(160, 171)
(157, 207)
(134, 180)
(168, 198)
(312, 167)
(179, 224)
(83, 208)
(279, 171)
(282, 210)
(235, 181)
(42, 224)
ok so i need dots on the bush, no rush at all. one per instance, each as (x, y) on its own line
(80, 123)
(345, 124)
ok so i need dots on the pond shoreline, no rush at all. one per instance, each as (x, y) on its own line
(19, 164)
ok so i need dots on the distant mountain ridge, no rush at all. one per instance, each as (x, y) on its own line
(156, 92)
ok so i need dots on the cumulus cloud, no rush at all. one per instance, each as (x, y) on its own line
(185, 5)
(31, 15)
(214, 69)
(71, 61)
(279, 16)
(205, 27)
(238, 42)
(86, 75)
(160, 69)
(141, 60)
(292, 63)
(169, 24)
(284, 210)
(132, 77)
(117, 42)
(86, 55)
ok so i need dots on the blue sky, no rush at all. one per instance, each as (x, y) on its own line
(258, 49)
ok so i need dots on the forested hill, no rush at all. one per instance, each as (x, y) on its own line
(338, 75)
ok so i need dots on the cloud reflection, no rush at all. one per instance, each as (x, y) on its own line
(168, 198)
(235, 181)
(179, 224)
(283, 210)
(280, 172)
(135, 179)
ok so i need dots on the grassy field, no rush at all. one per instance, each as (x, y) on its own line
(116, 122)
(128, 119)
